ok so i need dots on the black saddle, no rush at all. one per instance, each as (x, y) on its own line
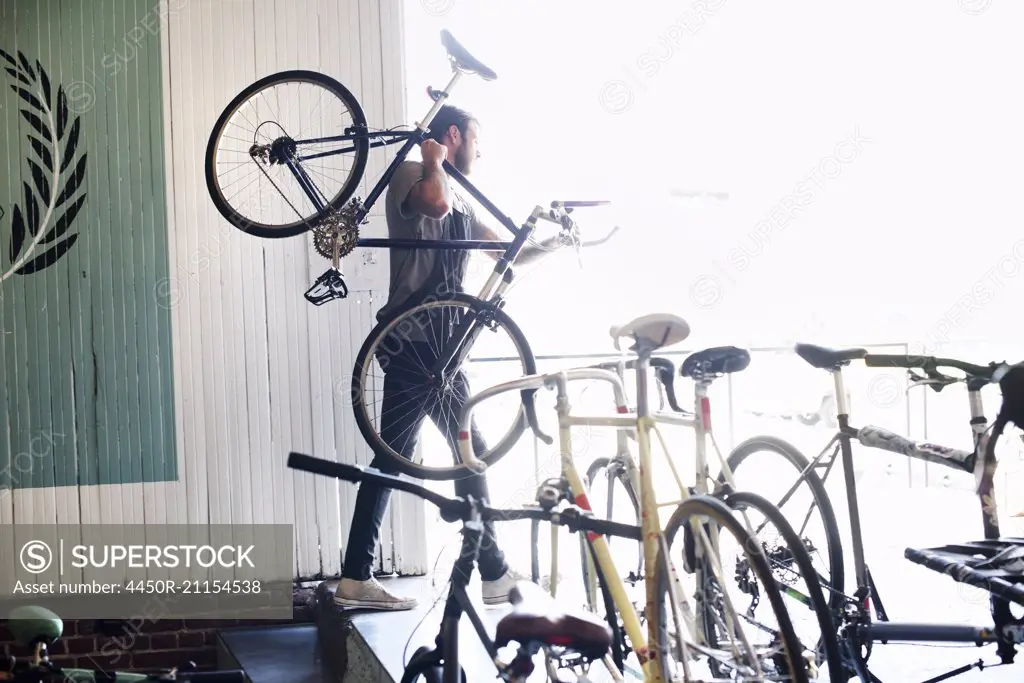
(536, 618)
(828, 359)
(719, 360)
(465, 61)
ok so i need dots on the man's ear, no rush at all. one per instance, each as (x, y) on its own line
(454, 133)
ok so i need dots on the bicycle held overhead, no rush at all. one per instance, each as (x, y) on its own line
(310, 173)
(316, 172)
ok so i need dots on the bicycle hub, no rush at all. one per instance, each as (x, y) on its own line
(282, 150)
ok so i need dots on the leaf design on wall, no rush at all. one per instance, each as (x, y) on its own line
(52, 200)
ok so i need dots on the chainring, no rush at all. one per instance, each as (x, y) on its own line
(337, 228)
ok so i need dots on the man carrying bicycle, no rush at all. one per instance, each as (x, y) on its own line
(422, 204)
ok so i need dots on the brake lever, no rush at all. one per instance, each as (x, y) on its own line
(531, 416)
(936, 380)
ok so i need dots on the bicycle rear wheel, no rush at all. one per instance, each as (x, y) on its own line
(761, 464)
(404, 346)
(784, 555)
(267, 153)
(780, 659)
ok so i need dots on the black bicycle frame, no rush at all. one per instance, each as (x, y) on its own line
(411, 138)
(884, 630)
(458, 603)
(446, 644)
(467, 328)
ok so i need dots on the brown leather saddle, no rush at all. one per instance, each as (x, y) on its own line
(536, 618)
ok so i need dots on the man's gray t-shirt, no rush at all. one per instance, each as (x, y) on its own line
(410, 268)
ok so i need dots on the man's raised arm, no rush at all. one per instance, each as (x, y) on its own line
(430, 196)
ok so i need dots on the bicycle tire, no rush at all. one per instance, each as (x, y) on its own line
(431, 671)
(820, 496)
(823, 612)
(361, 155)
(717, 511)
(365, 358)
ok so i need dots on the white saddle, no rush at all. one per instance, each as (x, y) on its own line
(653, 331)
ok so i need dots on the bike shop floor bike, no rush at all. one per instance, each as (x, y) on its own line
(613, 485)
(38, 629)
(977, 564)
(286, 156)
(574, 640)
(703, 623)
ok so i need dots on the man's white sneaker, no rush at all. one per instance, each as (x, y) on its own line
(496, 592)
(369, 595)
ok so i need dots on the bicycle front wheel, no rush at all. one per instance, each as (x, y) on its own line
(730, 645)
(279, 144)
(409, 415)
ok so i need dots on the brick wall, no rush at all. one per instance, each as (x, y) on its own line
(141, 644)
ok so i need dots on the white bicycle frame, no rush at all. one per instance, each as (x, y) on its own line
(699, 420)
(639, 423)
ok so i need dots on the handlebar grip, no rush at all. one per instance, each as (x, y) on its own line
(326, 468)
(664, 371)
(356, 473)
(883, 360)
(662, 364)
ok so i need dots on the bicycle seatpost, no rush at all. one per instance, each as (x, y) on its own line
(439, 101)
(643, 361)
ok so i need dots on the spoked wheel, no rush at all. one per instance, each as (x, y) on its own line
(425, 666)
(394, 389)
(725, 641)
(777, 471)
(267, 157)
(813, 620)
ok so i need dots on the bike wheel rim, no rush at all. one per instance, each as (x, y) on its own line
(262, 133)
(369, 362)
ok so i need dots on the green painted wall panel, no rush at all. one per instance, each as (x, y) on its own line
(85, 349)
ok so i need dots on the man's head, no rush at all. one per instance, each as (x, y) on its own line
(457, 130)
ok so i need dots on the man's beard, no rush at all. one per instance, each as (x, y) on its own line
(462, 161)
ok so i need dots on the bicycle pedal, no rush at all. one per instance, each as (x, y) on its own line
(328, 287)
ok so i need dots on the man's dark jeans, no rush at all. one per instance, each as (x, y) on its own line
(407, 400)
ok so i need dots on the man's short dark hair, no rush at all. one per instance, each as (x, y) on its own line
(448, 116)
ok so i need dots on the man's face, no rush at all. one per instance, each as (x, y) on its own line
(467, 150)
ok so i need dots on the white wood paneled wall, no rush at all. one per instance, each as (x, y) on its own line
(259, 371)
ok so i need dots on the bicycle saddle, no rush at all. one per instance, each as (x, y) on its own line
(825, 358)
(537, 618)
(718, 360)
(654, 331)
(31, 624)
(463, 59)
